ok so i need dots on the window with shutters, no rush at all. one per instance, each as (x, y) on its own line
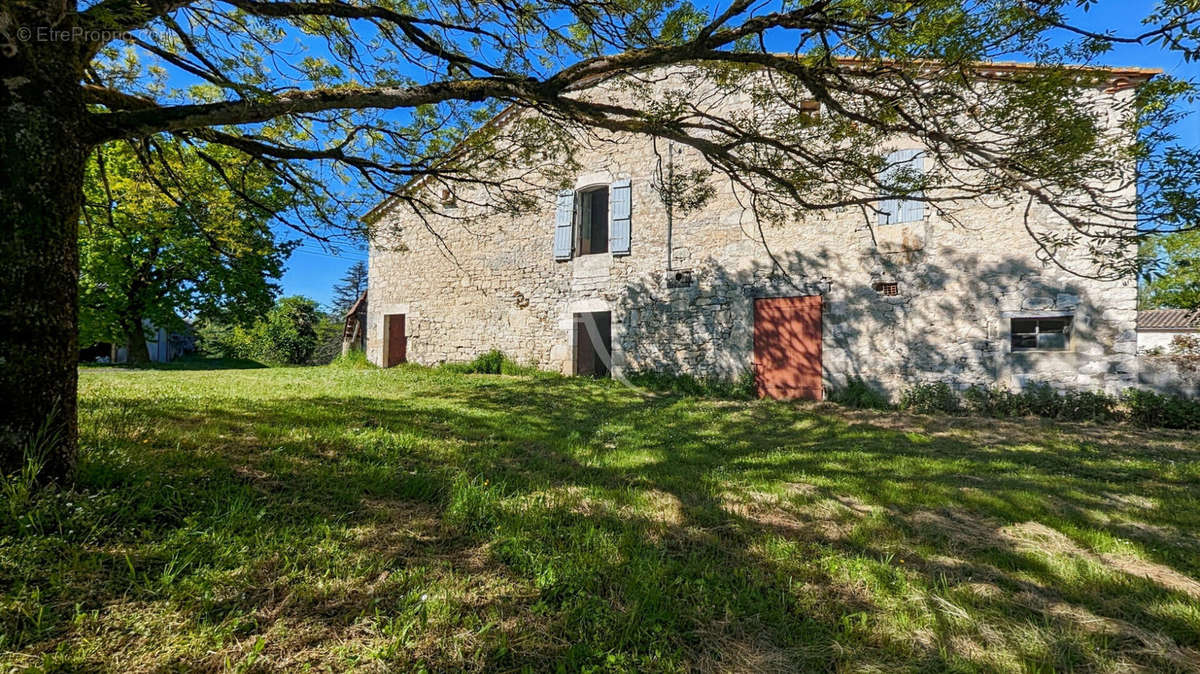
(593, 220)
(1047, 333)
(591, 213)
(898, 202)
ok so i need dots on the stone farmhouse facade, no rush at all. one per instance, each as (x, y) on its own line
(592, 283)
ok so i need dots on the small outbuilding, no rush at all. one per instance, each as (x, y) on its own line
(1156, 328)
(354, 333)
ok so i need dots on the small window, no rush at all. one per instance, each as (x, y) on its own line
(887, 288)
(810, 110)
(1051, 333)
(592, 214)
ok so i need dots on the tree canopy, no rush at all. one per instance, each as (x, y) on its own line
(319, 84)
(1173, 278)
(184, 235)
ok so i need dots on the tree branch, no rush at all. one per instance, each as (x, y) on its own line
(111, 17)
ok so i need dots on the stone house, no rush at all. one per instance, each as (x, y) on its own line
(603, 280)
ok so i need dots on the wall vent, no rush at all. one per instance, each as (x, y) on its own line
(679, 278)
(887, 288)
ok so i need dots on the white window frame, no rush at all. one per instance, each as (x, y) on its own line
(1068, 331)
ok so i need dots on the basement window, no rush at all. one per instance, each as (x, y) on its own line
(1049, 333)
(887, 288)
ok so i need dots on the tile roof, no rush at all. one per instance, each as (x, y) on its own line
(1169, 319)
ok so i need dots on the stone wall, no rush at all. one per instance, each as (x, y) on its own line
(962, 274)
(1161, 339)
(1162, 374)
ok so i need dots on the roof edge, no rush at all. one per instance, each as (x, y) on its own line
(1117, 72)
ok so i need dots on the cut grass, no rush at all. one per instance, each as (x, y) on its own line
(340, 518)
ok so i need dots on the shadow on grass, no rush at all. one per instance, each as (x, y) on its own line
(504, 523)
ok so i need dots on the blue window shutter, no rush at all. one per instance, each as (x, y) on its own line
(621, 210)
(564, 225)
(888, 211)
(893, 208)
(889, 208)
(913, 210)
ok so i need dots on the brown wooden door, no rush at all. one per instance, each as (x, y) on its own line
(585, 353)
(787, 347)
(397, 343)
(593, 343)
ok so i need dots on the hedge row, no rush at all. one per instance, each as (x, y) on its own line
(1144, 408)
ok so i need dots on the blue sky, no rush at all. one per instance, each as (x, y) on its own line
(313, 270)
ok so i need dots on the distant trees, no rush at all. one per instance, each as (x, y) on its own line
(1172, 279)
(348, 290)
(185, 234)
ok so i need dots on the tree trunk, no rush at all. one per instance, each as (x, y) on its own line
(135, 342)
(42, 154)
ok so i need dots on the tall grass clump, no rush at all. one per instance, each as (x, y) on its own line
(353, 359)
(859, 395)
(19, 488)
(492, 362)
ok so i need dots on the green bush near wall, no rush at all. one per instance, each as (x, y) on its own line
(857, 393)
(930, 398)
(492, 362)
(1144, 408)
(741, 387)
(1042, 400)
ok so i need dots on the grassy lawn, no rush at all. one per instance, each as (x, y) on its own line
(333, 519)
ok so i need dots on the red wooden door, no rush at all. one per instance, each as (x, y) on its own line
(397, 343)
(787, 347)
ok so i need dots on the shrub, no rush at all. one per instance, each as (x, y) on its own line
(1089, 406)
(989, 401)
(1144, 408)
(328, 342)
(741, 387)
(1038, 399)
(1041, 400)
(492, 362)
(221, 340)
(860, 395)
(1147, 408)
(930, 398)
(289, 333)
(1185, 353)
(746, 384)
